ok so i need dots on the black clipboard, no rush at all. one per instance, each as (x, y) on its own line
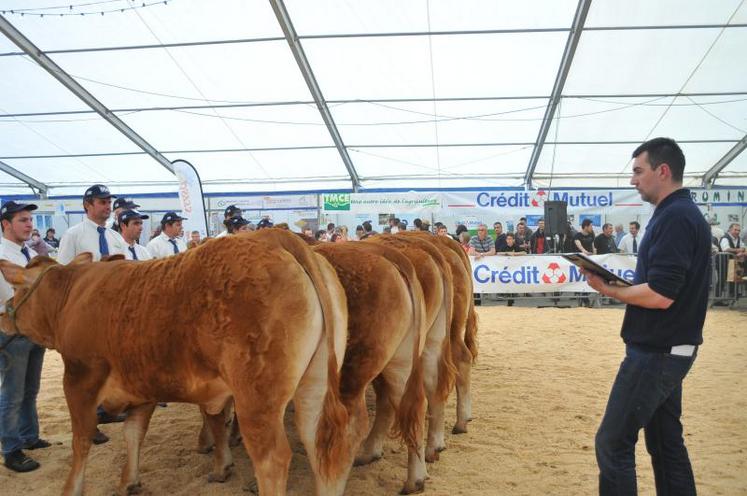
(586, 263)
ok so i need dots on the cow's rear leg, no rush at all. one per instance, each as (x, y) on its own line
(234, 436)
(263, 434)
(205, 440)
(81, 384)
(373, 446)
(464, 394)
(222, 458)
(135, 427)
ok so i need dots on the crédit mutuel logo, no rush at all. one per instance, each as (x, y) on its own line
(528, 199)
(553, 274)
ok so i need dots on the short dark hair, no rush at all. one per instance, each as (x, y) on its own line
(51, 230)
(664, 151)
(585, 222)
(606, 224)
(497, 224)
(418, 223)
(367, 227)
(510, 235)
(635, 223)
(460, 229)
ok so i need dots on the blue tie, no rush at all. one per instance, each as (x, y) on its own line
(103, 245)
(173, 242)
(132, 250)
(635, 246)
(25, 252)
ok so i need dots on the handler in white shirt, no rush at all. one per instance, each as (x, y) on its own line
(131, 225)
(230, 212)
(92, 235)
(21, 360)
(170, 241)
(631, 242)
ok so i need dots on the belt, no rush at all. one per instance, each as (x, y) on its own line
(686, 350)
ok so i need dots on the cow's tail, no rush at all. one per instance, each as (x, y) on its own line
(470, 335)
(411, 412)
(447, 371)
(331, 439)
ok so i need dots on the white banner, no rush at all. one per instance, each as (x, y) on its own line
(190, 198)
(382, 203)
(541, 273)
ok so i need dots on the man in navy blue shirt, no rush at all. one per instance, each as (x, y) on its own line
(662, 329)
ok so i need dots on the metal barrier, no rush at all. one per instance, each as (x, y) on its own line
(727, 280)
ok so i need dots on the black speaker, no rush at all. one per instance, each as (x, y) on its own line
(556, 217)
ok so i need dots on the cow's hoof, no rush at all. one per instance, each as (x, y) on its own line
(204, 450)
(431, 457)
(251, 486)
(221, 476)
(416, 488)
(136, 488)
(440, 449)
(366, 459)
(459, 429)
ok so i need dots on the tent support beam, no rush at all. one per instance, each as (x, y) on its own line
(33, 183)
(710, 176)
(71, 84)
(557, 91)
(278, 6)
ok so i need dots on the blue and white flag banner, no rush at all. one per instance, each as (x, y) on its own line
(540, 273)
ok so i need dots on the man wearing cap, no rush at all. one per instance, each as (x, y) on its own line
(120, 205)
(131, 223)
(236, 225)
(92, 235)
(170, 241)
(21, 360)
(230, 212)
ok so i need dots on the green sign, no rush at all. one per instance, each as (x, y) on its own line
(337, 201)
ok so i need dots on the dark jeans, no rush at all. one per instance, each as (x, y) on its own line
(647, 394)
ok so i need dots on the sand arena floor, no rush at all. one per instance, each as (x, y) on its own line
(540, 387)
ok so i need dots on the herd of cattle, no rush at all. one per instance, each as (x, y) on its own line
(263, 319)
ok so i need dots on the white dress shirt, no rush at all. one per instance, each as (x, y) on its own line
(626, 243)
(161, 247)
(84, 237)
(222, 234)
(141, 252)
(12, 253)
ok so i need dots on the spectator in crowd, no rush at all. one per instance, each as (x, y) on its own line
(330, 230)
(584, 239)
(500, 237)
(402, 226)
(605, 242)
(662, 330)
(394, 224)
(481, 245)
(523, 237)
(359, 232)
(169, 242)
(442, 231)
(21, 360)
(230, 211)
(540, 242)
(460, 229)
(343, 230)
(194, 238)
(131, 225)
(523, 220)
(37, 244)
(426, 227)
(308, 232)
(619, 234)
(265, 223)
(92, 236)
(50, 239)
(731, 242)
(511, 247)
(120, 205)
(630, 242)
(320, 235)
(418, 223)
(464, 240)
(367, 229)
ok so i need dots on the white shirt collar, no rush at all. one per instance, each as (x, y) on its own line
(12, 244)
(91, 223)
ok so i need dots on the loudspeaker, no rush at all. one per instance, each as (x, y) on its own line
(556, 217)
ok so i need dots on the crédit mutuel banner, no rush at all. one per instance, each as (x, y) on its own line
(541, 273)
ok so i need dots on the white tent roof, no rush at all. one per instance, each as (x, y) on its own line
(426, 94)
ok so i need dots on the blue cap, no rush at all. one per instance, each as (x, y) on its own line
(264, 223)
(128, 215)
(11, 207)
(97, 191)
(171, 217)
(124, 203)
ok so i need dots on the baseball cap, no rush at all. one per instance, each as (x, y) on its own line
(98, 191)
(231, 211)
(128, 215)
(11, 207)
(264, 223)
(171, 217)
(124, 203)
(237, 222)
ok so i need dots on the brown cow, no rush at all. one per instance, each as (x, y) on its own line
(463, 328)
(237, 316)
(436, 279)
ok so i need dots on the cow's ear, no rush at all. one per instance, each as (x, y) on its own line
(112, 258)
(16, 275)
(83, 258)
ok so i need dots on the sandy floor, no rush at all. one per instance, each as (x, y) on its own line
(540, 385)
